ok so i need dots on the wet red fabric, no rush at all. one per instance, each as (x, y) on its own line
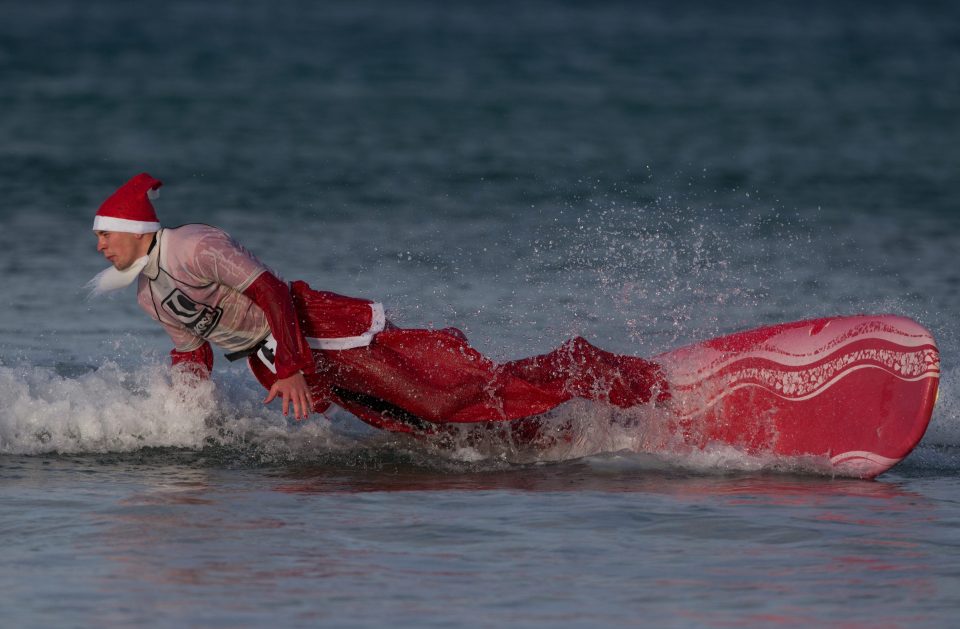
(199, 361)
(583, 370)
(408, 379)
(272, 295)
(330, 315)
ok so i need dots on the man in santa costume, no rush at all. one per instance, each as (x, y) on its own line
(314, 348)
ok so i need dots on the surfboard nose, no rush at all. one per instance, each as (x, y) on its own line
(855, 391)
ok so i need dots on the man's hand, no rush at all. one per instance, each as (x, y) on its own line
(293, 389)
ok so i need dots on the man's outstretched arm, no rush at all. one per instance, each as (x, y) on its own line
(293, 357)
(199, 361)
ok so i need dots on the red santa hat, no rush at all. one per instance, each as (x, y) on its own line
(129, 208)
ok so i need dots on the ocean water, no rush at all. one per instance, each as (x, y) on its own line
(644, 174)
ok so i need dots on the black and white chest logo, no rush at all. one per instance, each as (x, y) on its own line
(200, 319)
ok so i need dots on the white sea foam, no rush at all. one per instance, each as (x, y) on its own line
(712, 459)
(112, 409)
(106, 410)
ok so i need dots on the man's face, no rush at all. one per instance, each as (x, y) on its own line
(120, 248)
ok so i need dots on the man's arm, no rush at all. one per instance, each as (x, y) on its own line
(293, 357)
(198, 361)
(218, 258)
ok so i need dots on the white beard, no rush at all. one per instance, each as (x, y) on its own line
(111, 279)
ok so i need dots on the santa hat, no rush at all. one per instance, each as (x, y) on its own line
(129, 208)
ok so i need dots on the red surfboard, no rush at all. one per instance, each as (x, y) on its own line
(853, 392)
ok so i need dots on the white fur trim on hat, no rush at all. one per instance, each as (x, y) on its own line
(113, 224)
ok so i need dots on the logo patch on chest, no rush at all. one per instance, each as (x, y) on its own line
(200, 319)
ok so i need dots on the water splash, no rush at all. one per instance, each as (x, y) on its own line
(109, 409)
(944, 428)
(643, 278)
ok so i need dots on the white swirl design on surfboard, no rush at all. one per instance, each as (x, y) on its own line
(803, 384)
(807, 346)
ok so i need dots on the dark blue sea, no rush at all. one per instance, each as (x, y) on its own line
(645, 174)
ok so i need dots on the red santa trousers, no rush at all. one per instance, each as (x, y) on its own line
(409, 379)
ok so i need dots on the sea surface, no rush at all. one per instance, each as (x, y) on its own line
(645, 174)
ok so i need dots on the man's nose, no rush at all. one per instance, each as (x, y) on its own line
(101, 244)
